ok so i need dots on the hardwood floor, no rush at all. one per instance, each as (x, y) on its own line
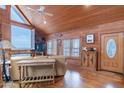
(77, 77)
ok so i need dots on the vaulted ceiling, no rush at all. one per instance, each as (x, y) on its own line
(68, 17)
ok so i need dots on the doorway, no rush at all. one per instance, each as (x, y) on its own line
(112, 52)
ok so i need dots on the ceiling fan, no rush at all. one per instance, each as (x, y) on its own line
(41, 11)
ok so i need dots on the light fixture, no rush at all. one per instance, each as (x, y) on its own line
(44, 22)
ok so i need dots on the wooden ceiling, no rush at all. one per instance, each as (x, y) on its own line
(68, 17)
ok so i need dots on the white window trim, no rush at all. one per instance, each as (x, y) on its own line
(71, 48)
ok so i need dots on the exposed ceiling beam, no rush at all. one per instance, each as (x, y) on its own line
(24, 15)
(21, 24)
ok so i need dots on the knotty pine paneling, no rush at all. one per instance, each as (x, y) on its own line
(113, 27)
(69, 17)
(5, 23)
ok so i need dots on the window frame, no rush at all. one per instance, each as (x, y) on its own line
(32, 38)
(53, 47)
(68, 48)
(19, 15)
(49, 47)
(71, 47)
(25, 26)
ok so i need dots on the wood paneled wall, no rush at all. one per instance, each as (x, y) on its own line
(113, 27)
(5, 23)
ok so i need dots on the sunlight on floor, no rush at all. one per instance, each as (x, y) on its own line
(72, 79)
(109, 86)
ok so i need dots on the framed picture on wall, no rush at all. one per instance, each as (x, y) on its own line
(90, 38)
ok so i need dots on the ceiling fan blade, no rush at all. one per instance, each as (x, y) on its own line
(31, 9)
(34, 11)
(49, 14)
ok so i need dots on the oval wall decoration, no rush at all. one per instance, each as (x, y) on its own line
(111, 48)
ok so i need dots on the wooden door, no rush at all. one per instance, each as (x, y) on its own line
(112, 52)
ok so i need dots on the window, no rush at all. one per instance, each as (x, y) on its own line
(49, 47)
(52, 47)
(71, 47)
(21, 38)
(15, 16)
(66, 46)
(75, 47)
(3, 6)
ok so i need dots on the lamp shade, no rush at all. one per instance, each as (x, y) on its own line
(5, 44)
